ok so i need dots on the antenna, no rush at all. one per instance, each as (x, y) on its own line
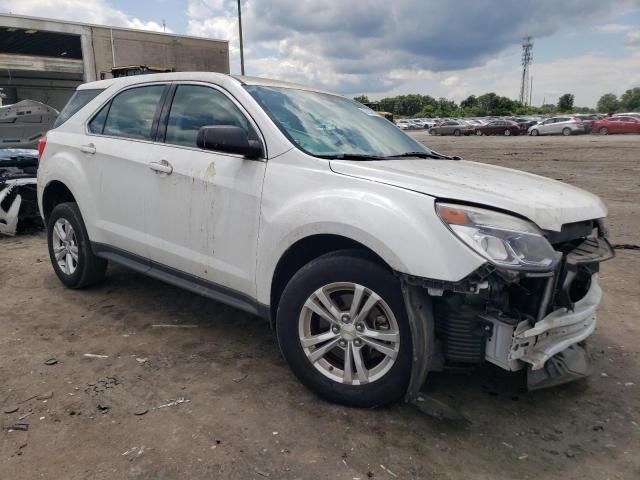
(527, 58)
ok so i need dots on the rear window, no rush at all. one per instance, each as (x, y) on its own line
(79, 99)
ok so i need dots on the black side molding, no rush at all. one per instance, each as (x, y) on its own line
(181, 279)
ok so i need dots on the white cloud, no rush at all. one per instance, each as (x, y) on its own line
(613, 28)
(633, 39)
(85, 11)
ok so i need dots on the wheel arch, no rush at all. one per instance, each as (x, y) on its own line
(55, 193)
(307, 249)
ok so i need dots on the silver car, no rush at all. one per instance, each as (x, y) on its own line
(558, 126)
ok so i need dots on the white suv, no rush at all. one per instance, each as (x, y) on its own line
(558, 126)
(375, 259)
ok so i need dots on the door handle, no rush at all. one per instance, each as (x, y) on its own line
(90, 149)
(162, 167)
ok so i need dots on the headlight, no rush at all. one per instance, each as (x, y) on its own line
(505, 240)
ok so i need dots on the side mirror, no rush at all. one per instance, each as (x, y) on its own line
(228, 139)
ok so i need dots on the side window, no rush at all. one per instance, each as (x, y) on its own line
(131, 113)
(96, 125)
(196, 106)
(78, 100)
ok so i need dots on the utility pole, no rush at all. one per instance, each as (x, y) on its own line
(240, 30)
(531, 91)
(527, 58)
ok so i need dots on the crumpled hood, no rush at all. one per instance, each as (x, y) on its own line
(548, 203)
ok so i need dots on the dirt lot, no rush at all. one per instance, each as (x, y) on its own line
(245, 416)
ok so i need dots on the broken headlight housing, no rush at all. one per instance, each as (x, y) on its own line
(504, 240)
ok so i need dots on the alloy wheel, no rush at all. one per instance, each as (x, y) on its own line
(349, 333)
(65, 246)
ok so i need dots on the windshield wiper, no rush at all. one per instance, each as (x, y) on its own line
(352, 156)
(431, 154)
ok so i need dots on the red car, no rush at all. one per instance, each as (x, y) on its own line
(498, 127)
(616, 125)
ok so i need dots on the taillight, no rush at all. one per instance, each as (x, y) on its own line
(41, 144)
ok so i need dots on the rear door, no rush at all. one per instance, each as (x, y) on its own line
(628, 125)
(118, 141)
(202, 213)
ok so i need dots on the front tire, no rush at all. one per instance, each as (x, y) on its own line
(604, 131)
(70, 249)
(456, 133)
(342, 327)
(535, 133)
(507, 133)
(566, 131)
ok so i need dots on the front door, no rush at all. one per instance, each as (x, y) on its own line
(202, 211)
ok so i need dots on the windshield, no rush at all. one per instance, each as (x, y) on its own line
(329, 126)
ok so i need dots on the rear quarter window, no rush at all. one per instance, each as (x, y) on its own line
(78, 100)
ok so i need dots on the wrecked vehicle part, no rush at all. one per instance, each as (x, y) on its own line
(23, 123)
(18, 194)
(420, 315)
(518, 319)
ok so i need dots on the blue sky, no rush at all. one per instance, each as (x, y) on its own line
(380, 47)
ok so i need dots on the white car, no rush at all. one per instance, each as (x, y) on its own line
(558, 126)
(375, 258)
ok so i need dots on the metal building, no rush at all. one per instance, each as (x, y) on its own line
(44, 60)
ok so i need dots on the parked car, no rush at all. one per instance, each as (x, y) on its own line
(375, 258)
(588, 120)
(558, 126)
(524, 123)
(405, 124)
(498, 127)
(628, 114)
(451, 127)
(616, 124)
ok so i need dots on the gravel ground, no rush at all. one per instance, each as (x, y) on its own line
(108, 395)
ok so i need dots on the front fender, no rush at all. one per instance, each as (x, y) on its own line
(399, 225)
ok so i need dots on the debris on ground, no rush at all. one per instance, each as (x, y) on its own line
(51, 361)
(45, 396)
(171, 325)
(23, 427)
(173, 403)
(95, 355)
(141, 411)
(11, 409)
(29, 413)
(388, 471)
(438, 409)
(240, 378)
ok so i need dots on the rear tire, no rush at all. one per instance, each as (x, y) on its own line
(604, 131)
(566, 131)
(456, 133)
(507, 133)
(432, 132)
(343, 367)
(70, 249)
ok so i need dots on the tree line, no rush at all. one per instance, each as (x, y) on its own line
(491, 104)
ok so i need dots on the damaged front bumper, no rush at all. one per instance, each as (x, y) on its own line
(519, 320)
(512, 347)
